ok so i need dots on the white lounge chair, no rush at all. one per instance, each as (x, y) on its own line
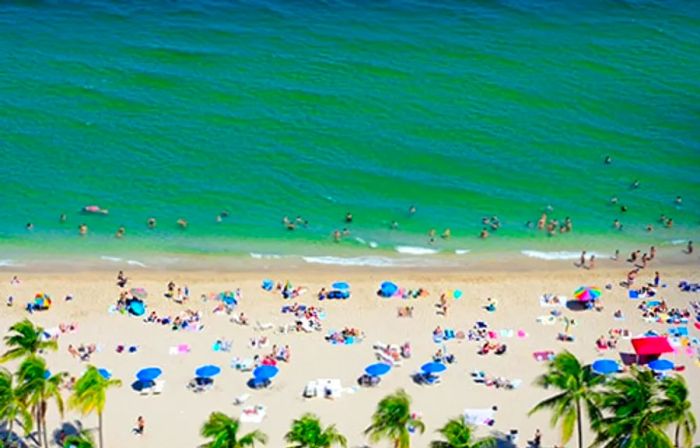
(263, 326)
(239, 400)
(158, 387)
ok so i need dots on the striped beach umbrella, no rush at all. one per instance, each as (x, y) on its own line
(587, 293)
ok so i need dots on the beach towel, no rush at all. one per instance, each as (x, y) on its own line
(633, 294)
(506, 333)
(179, 349)
(480, 417)
(522, 334)
(543, 356)
(678, 331)
(253, 414)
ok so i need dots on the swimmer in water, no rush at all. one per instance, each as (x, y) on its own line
(394, 225)
(623, 208)
(635, 184)
(83, 229)
(669, 223)
(608, 160)
(484, 234)
(411, 210)
(431, 236)
(613, 200)
(348, 218)
(650, 228)
(336, 235)
(529, 225)
(346, 232)
(62, 218)
(662, 218)
(617, 225)
(219, 218)
(182, 222)
(679, 200)
(446, 234)
(29, 226)
(151, 223)
(224, 214)
(121, 231)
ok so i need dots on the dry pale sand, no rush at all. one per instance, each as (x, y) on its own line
(174, 418)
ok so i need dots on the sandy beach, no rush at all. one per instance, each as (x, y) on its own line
(173, 418)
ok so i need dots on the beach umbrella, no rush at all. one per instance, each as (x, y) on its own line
(47, 374)
(457, 294)
(433, 367)
(605, 366)
(141, 293)
(228, 297)
(106, 374)
(388, 289)
(659, 365)
(137, 307)
(377, 369)
(207, 371)
(340, 285)
(148, 374)
(587, 293)
(265, 372)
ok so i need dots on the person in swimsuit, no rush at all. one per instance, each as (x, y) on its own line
(151, 223)
(83, 229)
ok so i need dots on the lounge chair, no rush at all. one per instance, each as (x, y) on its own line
(158, 387)
(260, 326)
(241, 399)
(311, 389)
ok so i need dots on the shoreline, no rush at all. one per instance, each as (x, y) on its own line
(501, 261)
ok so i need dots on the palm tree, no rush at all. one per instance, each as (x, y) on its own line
(675, 403)
(576, 385)
(307, 432)
(391, 420)
(459, 434)
(36, 387)
(90, 394)
(26, 339)
(223, 430)
(82, 439)
(634, 417)
(12, 406)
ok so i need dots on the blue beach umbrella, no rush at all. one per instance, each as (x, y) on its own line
(433, 367)
(137, 307)
(659, 365)
(605, 366)
(207, 371)
(377, 369)
(457, 294)
(340, 285)
(148, 374)
(265, 372)
(47, 374)
(388, 289)
(106, 374)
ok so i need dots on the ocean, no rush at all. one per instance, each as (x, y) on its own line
(266, 109)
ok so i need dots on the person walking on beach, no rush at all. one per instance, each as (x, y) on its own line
(582, 260)
(537, 440)
(689, 248)
(140, 426)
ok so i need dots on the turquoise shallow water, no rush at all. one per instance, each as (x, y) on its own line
(268, 109)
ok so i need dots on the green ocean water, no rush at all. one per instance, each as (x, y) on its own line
(269, 108)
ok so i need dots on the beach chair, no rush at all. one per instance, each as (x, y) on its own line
(311, 389)
(158, 387)
(260, 326)
(145, 391)
(241, 399)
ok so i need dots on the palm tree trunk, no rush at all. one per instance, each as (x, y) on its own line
(678, 436)
(38, 426)
(99, 428)
(578, 421)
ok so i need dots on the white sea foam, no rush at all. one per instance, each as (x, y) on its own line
(258, 256)
(678, 242)
(384, 262)
(373, 244)
(411, 250)
(461, 251)
(108, 258)
(559, 255)
(136, 263)
(8, 263)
